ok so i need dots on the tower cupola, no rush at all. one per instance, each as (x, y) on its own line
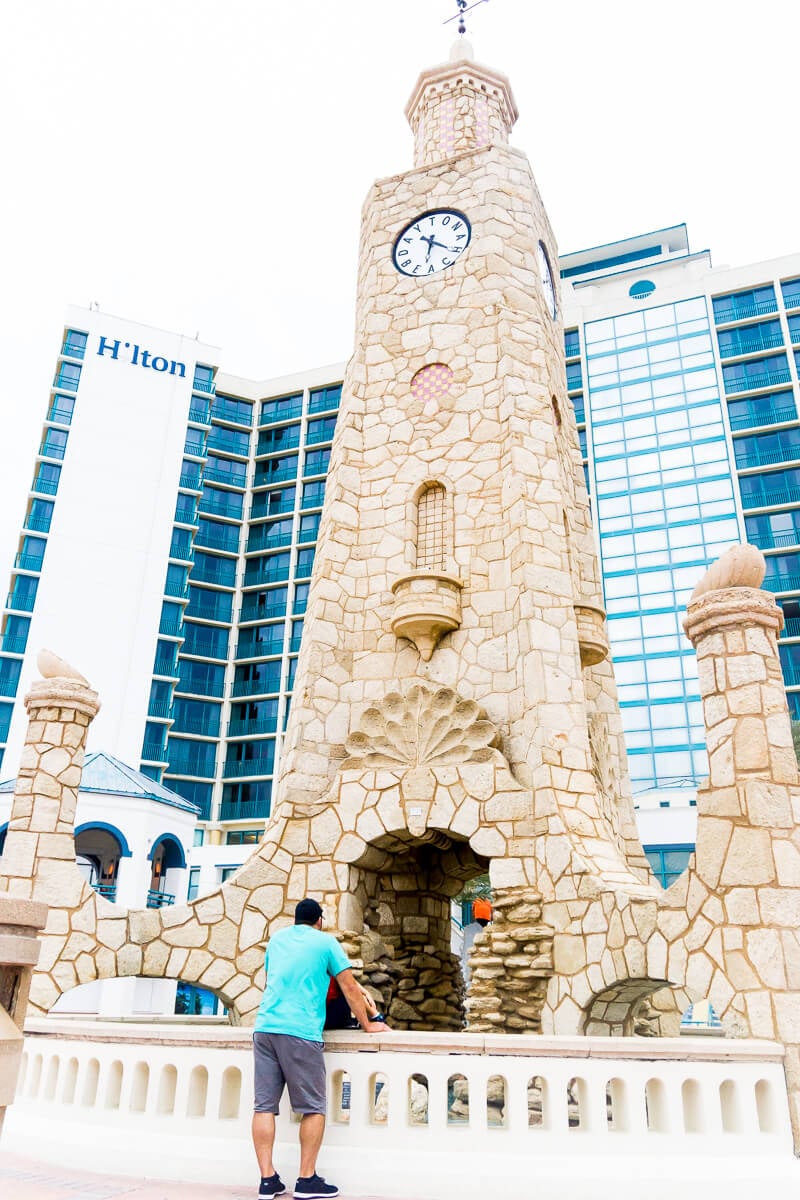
(459, 106)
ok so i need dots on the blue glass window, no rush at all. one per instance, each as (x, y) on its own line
(772, 487)
(181, 544)
(275, 470)
(186, 509)
(794, 329)
(773, 531)
(221, 504)
(756, 373)
(270, 568)
(261, 754)
(61, 410)
(300, 597)
(254, 716)
(323, 399)
(23, 592)
(574, 376)
(208, 641)
(46, 479)
(160, 698)
(753, 302)
(229, 441)
(188, 757)
(783, 572)
(279, 500)
(15, 635)
(261, 640)
(171, 618)
(68, 376)
(256, 678)
(9, 675)
(40, 514)
(770, 408)
(54, 443)
(196, 793)
(200, 410)
(668, 862)
(203, 378)
(280, 437)
(270, 535)
(313, 494)
(191, 474)
(305, 561)
(264, 605)
(175, 584)
(195, 716)
(749, 339)
(226, 470)
(317, 462)
(6, 712)
(246, 801)
(791, 293)
(74, 343)
(572, 343)
(166, 660)
(217, 536)
(154, 740)
(201, 679)
(238, 412)
(285, 408)
(320, 430)
(211, 568)
(309, 528)
(209, 605)
(766, 448)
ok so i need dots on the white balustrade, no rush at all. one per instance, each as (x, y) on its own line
(421, 1116)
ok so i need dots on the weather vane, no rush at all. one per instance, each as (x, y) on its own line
(463, 9)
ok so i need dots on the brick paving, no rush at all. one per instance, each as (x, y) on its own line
(26, 1179)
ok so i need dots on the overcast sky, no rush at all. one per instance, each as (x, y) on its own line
(200, 165)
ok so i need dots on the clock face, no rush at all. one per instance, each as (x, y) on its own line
(547, 282)
(432, 242)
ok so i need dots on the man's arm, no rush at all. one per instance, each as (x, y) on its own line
(354, 996)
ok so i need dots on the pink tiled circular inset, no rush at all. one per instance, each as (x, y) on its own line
(432, 382)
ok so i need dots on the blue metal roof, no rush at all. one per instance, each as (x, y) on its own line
(105, 774)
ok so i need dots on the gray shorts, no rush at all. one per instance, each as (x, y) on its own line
(281, 1060)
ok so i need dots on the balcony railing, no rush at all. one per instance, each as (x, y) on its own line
(791, 628)
(266, 649)
(791, 673)
(159, 899)
(201, 385)
(216, 475)
(107, 890)
(177, 590)
(28, 562)
(171, 628)
(38, 524)
(773, 415)
(208, 612)
(159, 708)
(153, 753)
(252, 768)
(752, 383)
(201, 416)
(190, 481)
(756, 456)
(765, 341)
(219, 508)
(265, 577)
(256, 612)
(255, 687)
(271, 541)
(59, 416)
(266, 479)
(166, 666)
(267, 725)
(771, 498)
(202, 727)
(287, 412)
(45, 487)
(214, 575)
(774, 541)
(266, 511)
(14, 645)
(244, 810)
(20, 602)
(743, 311)
(218, 541)
(783, 582)
(179, 765)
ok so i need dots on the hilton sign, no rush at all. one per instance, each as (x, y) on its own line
(133, 354)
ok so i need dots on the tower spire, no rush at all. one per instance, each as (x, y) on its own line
(463, 9)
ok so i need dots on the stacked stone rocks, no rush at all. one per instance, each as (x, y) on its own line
(417, 985)
(510, 967)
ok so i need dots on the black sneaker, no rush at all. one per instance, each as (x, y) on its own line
(314, 1188)
(271, 1186)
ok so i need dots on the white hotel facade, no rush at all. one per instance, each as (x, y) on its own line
(169, 557)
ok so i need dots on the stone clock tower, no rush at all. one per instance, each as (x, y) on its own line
(453, 700)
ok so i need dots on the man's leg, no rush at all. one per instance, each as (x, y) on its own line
(312, 1129)
(264, 1140)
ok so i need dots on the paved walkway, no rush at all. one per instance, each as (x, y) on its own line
(25, 1179)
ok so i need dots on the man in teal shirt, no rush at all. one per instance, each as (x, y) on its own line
(300, 962)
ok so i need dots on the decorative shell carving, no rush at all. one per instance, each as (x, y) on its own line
(741, 566)
(426, 727)
(52, 667)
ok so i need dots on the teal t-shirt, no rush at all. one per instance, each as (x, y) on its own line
(299, 962)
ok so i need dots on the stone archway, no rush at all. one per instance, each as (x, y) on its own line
(404, 885)
(636, 1007)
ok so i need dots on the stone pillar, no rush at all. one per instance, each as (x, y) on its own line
(39, 855)
(20, 922)
(749, 735)
(511, 964)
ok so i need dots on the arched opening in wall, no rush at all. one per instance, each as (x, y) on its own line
(434, 541)
(167, 865)
(406, 887)
(635, 1007)
(99, 849)
(136, 996)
